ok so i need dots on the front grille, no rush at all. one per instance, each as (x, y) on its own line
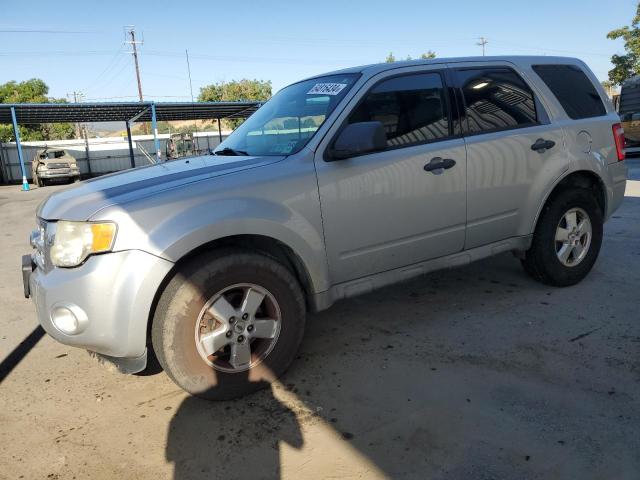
(57, 165)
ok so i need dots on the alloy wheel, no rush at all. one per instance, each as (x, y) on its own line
(238, 327)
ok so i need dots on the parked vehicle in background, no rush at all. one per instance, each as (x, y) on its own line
(53, 164)
(179, 145)
(629, 111)
(340, 184)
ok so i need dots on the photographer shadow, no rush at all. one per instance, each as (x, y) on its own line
(233, 439)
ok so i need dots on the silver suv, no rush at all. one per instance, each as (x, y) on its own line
(340, 184)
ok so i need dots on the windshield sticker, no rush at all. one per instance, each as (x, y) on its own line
(326, 89)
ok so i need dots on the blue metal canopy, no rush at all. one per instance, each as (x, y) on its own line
(128, 112)
(34, 113)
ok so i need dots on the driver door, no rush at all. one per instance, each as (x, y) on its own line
(383, 210)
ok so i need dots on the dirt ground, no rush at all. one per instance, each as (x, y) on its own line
(473, 373)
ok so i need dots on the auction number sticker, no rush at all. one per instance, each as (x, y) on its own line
(326, 89)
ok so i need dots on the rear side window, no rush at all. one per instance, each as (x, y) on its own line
(496, 99)
(573, 89)
(412, 109)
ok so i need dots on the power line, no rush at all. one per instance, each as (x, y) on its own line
(287, 40)
(24, 30)
(163, 75)
(61, 53)
(111, 64)
(230, 58)
(113, 75)
(542, 49)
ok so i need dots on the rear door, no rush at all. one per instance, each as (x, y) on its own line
(384, 210)
(510, 142)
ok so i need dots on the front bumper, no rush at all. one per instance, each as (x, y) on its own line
(62, 173)
(115, 291)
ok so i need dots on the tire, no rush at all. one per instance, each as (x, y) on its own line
(198, 283)
(542, 260)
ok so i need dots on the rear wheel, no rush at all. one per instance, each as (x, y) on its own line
(228, 323)
(567, 239)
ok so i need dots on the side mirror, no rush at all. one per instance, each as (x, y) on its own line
(359, 138)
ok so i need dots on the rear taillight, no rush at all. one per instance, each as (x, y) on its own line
(618, 137)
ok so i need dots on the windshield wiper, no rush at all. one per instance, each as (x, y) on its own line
(231, 152)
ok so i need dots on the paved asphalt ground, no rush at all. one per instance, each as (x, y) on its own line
(473, 373)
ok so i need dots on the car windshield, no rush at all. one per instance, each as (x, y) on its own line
(48, 154)
(285, 124)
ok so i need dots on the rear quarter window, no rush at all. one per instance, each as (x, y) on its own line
(573, 89)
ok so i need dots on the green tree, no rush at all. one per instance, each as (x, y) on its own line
(425, 56)
(236, 91)
(32, 91)
(428, 55)
(608, 86)
(627, 65)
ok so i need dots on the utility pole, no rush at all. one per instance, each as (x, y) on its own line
(130, 39)
(189, 72)
(86, 149)
(76, 97)
(130, 32)
(483, 41)
(195, 122)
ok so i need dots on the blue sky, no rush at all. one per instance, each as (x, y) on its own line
(280, 41)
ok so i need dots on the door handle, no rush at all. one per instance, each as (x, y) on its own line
(438, 164)
(542, 145)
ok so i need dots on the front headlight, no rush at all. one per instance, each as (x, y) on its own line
(75, 241)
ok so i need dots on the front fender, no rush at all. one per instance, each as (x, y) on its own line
(280, 202)
(238, 217)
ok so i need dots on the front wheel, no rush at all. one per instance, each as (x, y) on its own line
(228, 323)
(567, 239)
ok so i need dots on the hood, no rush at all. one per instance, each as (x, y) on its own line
(86, 198)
